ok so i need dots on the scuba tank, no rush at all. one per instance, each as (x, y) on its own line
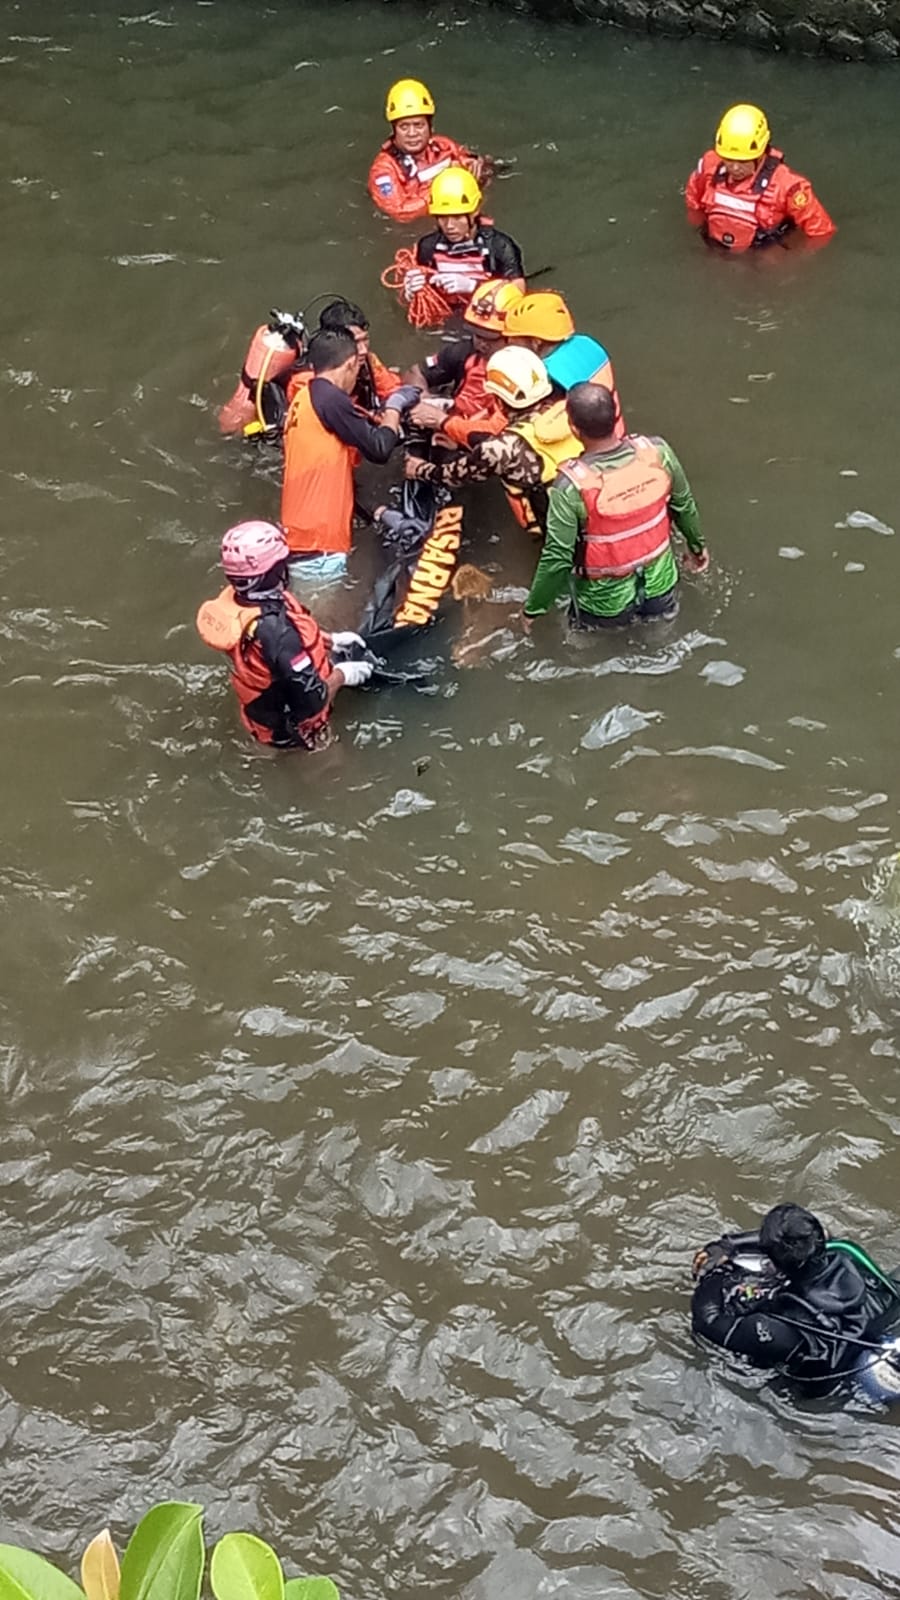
(258, 404)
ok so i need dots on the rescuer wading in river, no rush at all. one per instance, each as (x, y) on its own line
(401, 175)
(609, 523)
(283, 667)
(743, 194)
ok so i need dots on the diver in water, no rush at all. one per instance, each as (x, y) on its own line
(789, 1299)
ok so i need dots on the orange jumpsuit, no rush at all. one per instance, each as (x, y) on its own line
(399, 184)
(759, 210)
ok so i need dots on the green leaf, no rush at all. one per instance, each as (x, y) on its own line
(24, 1576)
(311, 1589)
(245, 1568)
(164, 1558)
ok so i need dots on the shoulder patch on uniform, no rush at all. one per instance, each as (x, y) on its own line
(384, 185)
(300, 661)
(799, 198)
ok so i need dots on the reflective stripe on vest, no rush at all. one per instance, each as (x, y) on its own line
(427, 174)
(627, 507)
(733, 217)
(317, 492)
(468, 258)
(409, 168)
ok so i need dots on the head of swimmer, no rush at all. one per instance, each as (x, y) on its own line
(352, 319)
(411, 134)
(333, 354)
(792, 1238)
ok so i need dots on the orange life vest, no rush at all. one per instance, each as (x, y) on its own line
(628, 523)
(317, 492)
(270, 355)
(748, 213)
(225, 625)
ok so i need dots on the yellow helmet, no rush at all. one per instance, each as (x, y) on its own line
(408, 98)
(517, 377)
(490, 304)
(454, 193)
(543, 315)
(743, 134)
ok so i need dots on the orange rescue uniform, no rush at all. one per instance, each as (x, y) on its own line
(758, 210)
(399, 184)
(325, 436)
(317, 491)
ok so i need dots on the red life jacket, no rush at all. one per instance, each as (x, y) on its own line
(628, 523)
(471, 257)
(224, 625)
(749, 213)
(472, 396)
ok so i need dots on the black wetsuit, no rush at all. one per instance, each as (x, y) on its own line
(832, 1296)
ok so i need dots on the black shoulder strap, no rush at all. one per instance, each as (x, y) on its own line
(764, 176)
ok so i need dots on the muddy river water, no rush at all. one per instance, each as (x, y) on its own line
(362, 1112)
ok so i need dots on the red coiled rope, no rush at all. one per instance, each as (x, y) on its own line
(428, 307)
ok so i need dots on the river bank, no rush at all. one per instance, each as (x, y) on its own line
(843, 30)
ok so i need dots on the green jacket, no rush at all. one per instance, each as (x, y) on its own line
(566, 517)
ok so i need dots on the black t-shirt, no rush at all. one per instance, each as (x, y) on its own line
(447, 368)
(337, 412)
(501, 255)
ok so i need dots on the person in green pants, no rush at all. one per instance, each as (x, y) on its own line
(610, 521)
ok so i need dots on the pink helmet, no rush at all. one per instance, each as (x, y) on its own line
(250, 548)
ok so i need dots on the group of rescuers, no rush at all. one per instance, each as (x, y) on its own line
(520, 395)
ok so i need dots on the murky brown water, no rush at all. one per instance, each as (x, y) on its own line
(361, 1120)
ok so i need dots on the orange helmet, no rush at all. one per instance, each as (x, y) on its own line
(489, 304)
(542, 315)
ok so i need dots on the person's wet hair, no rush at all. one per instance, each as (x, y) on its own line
(330, 348)
(791, 1237)
(592, 410)
(342, 314)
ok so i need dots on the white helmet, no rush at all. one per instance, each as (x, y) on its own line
(517, 377)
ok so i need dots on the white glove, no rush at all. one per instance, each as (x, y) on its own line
(345, 640)
(355, 672)
(413, 282)
(455, 282)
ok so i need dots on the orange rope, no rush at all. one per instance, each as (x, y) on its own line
(429, 307)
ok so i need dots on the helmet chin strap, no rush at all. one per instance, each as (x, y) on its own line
(267, 586)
